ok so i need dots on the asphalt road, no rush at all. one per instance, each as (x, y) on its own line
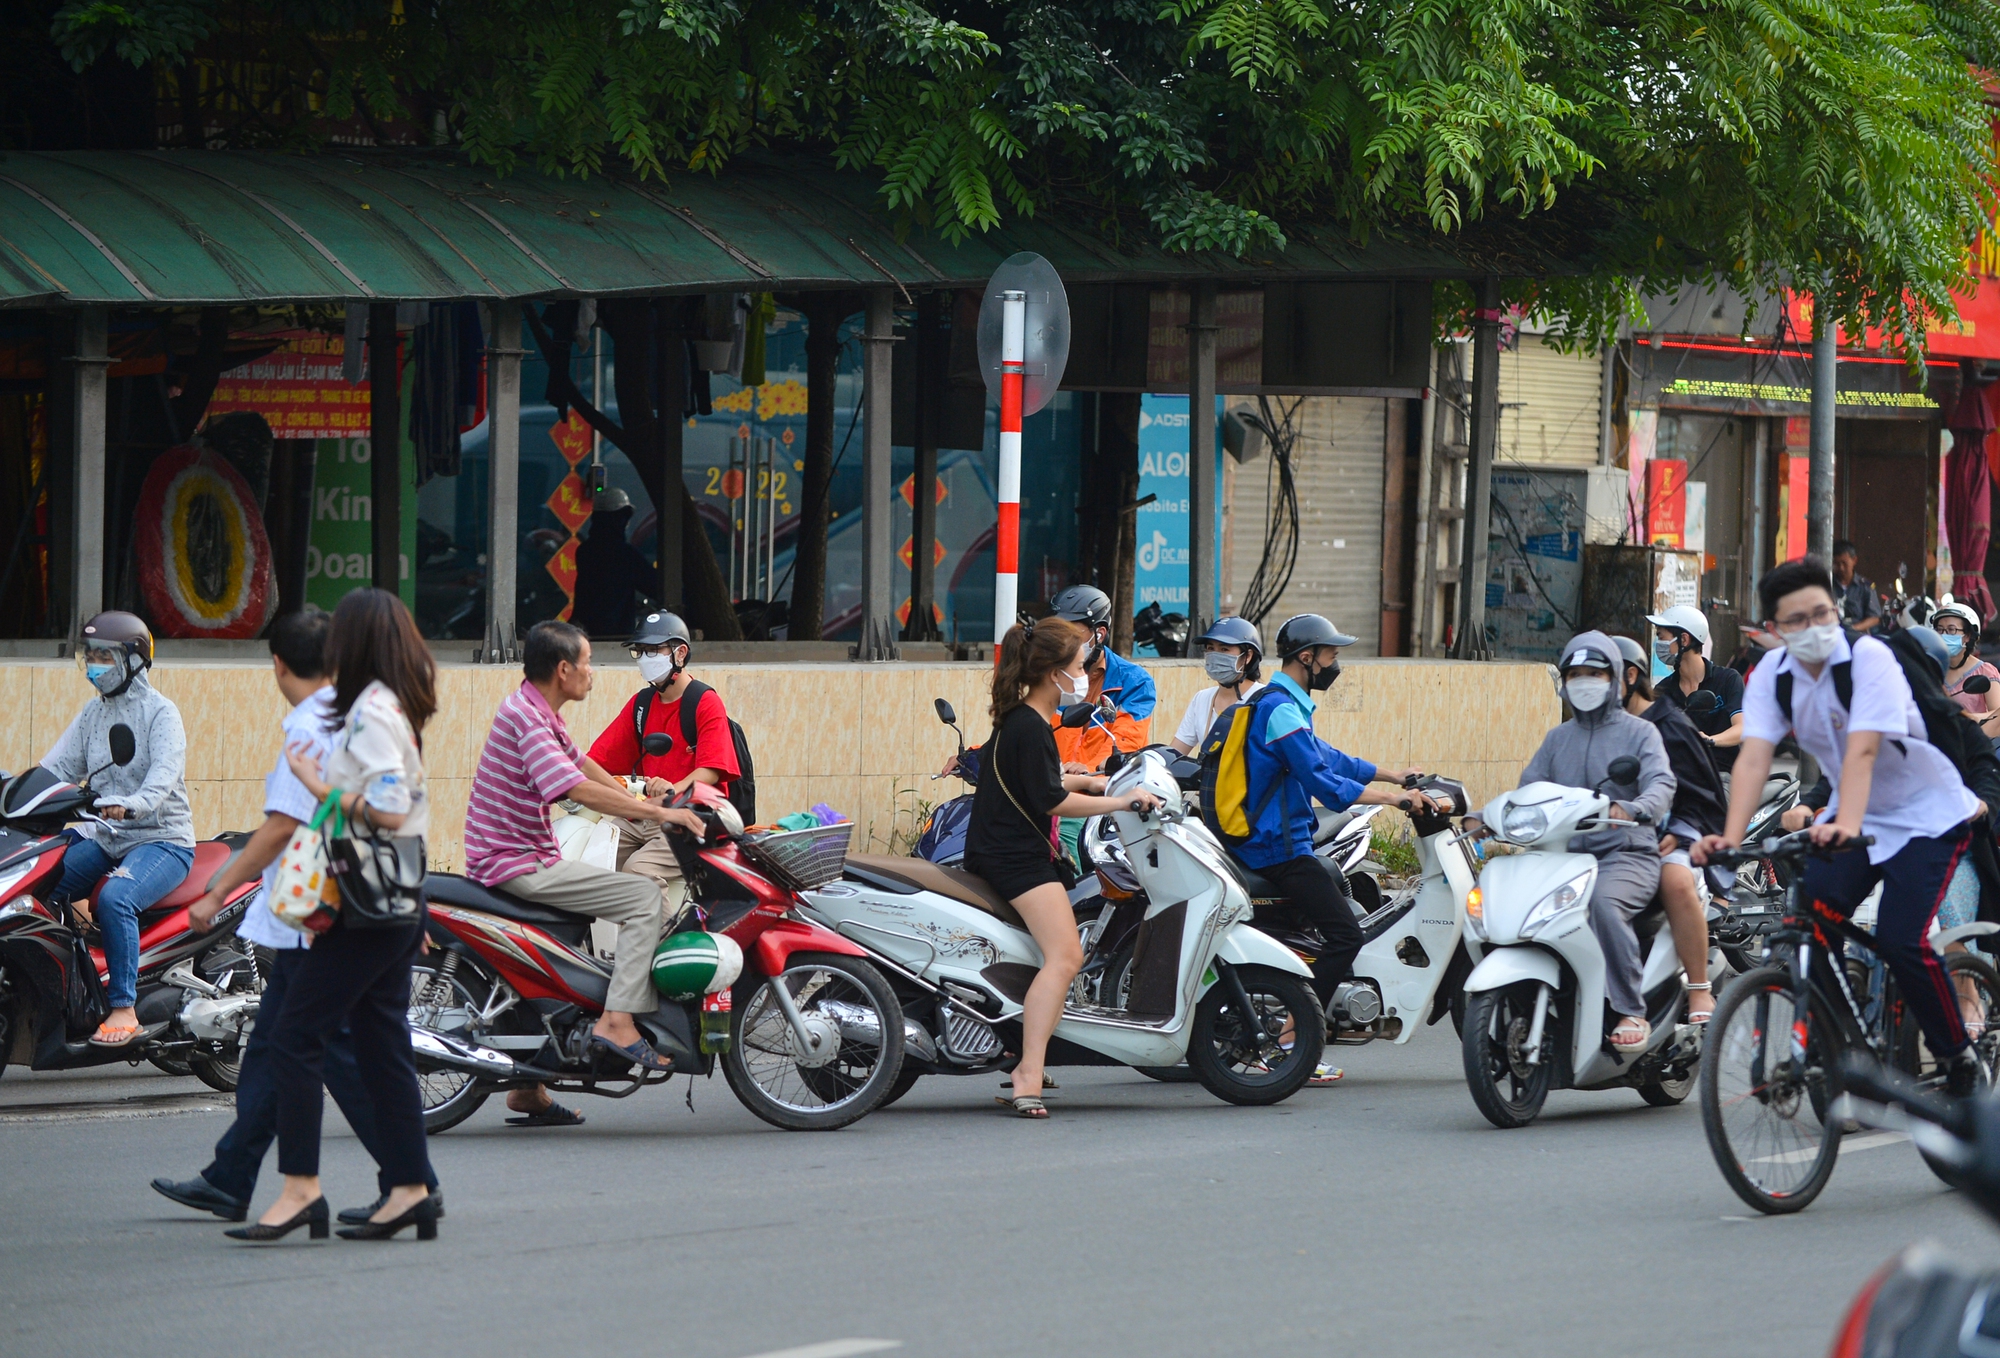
(1382, 1216)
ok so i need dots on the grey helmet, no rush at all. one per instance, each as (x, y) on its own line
(659, 629)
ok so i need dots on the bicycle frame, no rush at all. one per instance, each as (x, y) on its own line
(1805, 931)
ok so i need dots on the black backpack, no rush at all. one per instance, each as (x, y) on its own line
(742, 789)
(1945, 724)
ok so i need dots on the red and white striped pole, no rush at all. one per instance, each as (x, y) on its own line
(1007, 549)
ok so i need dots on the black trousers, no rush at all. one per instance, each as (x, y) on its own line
(360, 977)
(1312, 889)
(241, 1150)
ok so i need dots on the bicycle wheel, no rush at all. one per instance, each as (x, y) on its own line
(1760, 1112)
(1976, 985)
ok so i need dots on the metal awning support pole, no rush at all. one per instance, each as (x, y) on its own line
(1470, 643)
(878, 617)
(503, 482)
(1825, 377)
(1424, 553)
(385, 448)
(670, 383)
(1203, 605)
(76, 489)
(929, 370)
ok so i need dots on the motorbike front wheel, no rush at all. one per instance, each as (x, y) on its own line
(837, 996)
(1507, 1090)
(1241, 1059)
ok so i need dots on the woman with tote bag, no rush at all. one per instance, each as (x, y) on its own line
(358, 970)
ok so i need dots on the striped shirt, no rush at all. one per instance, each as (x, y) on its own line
(529, 762)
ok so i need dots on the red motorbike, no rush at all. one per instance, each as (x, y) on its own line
(509, 990)
(198, 991)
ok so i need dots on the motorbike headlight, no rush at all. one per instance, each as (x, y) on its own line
(13, 878)
(1563, 898)
(1475, 914)
(1525, 824)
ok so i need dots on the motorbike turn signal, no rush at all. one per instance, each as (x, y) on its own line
(1475, 907)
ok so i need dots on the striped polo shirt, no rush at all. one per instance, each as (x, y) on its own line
(529, 762)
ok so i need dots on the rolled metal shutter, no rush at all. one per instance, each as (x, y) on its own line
(1550, 405)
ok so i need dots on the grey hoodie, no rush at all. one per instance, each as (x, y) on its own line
(1579, 752)
(152, 788)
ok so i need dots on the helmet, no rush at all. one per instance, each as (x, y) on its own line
(658, 629)
(1687, 618)
(123, 633)
(1933, 645)
(1306, 631)
(610, 500)
(1965, 613)
(1086, 604)
(1634, 653)
(1234, 632)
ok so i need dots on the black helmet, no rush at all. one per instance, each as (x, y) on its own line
(659, 629)
(1306, 631)
(1086, 604)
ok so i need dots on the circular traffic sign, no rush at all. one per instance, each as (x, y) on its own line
(1046, 335)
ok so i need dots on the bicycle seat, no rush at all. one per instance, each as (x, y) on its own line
(448, 888)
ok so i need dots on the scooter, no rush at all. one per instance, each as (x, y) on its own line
(1535, 1010)
(1206, 986)
(198, 991)
(810, 1038)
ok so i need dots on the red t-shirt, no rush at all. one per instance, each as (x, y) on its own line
(617, 749)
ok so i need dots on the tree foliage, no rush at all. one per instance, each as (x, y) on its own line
(1841, 147)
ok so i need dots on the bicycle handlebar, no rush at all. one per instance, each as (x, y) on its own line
(1792, 847)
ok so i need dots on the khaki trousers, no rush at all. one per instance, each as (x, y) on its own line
(632, 903)
(643, 850)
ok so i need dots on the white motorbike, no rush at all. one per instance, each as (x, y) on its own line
(1535, 1012)
(1206, 986)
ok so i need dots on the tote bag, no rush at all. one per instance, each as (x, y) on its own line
(381, 879)
(304, 896)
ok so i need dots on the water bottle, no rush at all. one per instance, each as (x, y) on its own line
(715, 1023)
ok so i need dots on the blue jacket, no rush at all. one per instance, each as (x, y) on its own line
(1283, 751)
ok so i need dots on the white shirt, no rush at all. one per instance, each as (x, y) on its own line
(376, 754)
(1198, 717)
(1916, 792)
(285, 795)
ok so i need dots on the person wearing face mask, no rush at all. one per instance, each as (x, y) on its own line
(1287, 768)
(1579, 753)
(144, 845)
(1851, 708)
(1957, 625)
(1232, 657)
(1122, 690)
(1683, 632)
(662, 646)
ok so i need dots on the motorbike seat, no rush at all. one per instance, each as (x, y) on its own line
(209, 856)
(907, 875)
(1649, 921)
(1331, 823)
(448, 888)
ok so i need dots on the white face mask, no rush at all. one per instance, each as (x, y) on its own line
(1071, 689)
(655, 668)
(1587, 695)
(1812, 645)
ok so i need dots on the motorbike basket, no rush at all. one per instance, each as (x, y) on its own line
(802, 859)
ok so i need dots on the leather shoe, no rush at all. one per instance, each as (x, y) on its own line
(203, 1196)
(358, 1216)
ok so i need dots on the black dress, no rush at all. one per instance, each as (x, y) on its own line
(1010, 840)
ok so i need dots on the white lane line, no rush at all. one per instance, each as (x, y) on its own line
(150, 1106)
(1847, 1147)
(834, 1348)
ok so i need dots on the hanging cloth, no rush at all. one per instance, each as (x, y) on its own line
(444, 385)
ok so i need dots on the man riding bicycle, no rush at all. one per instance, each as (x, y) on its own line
(1850, 707)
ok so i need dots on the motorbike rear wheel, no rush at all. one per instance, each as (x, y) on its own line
(444, 1004)
(1664, 1093)
(1507, 1090)
(762, 1064)
(1237, 1070)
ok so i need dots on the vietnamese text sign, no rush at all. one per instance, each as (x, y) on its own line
(1162, 538)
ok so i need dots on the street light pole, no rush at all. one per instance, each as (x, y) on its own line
(1825, 373)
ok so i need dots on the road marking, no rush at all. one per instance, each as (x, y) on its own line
(1847, 1147)
(141, 1106)
(834, 1348)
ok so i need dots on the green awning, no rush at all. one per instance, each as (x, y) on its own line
(189, 228)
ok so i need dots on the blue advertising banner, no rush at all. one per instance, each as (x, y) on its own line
(1162, 538)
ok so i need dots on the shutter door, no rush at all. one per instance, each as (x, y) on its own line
(1550, 405)
(1337, 472)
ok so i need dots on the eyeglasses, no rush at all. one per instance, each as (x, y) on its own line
(1819, 617)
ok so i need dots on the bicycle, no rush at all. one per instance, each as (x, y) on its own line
(1770, 1071)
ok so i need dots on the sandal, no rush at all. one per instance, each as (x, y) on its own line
(1327, 1075)
(1635, 1032)
(1026, 1106)
(108, 1036)
(1697, 1020)
(640, 1053)
(1047, 1083)
(555, 1115)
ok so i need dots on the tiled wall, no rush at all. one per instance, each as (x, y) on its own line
(862, 738)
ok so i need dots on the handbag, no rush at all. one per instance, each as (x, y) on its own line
(84, 1001)
(303, 895)
(1065, 870)
(380, 879)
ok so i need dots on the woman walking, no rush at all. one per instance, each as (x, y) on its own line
(1011, 840)
(384, 692)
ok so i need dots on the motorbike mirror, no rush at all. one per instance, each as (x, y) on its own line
(1078, 715)
(945, 714)
(123, 745)
(1624, 770)
(1114, 762)
(1978, 683)
(658, 743)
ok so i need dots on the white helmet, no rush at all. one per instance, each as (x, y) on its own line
(1687, 618)
(1965, 613)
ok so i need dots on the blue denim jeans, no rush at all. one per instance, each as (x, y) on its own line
(137, 880)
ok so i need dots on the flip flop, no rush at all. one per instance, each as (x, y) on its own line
(1638, 1035)
(1026, 1107)
(640, 1053)
(555, 1115)
(108, 1036)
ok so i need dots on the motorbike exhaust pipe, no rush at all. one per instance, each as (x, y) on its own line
(441, 1051)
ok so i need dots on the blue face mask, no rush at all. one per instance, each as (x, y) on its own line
(1954, 644)
(95, 672)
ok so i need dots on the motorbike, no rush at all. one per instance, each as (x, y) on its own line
(1166, 633)
(1206, 985)
(198, 990)
(941, 839)
(810, 1038)
(1535, 1008)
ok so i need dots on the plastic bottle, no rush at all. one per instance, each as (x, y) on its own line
(715, 1023)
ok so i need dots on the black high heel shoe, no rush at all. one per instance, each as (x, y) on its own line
(424, 1216)
(313, 1217)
